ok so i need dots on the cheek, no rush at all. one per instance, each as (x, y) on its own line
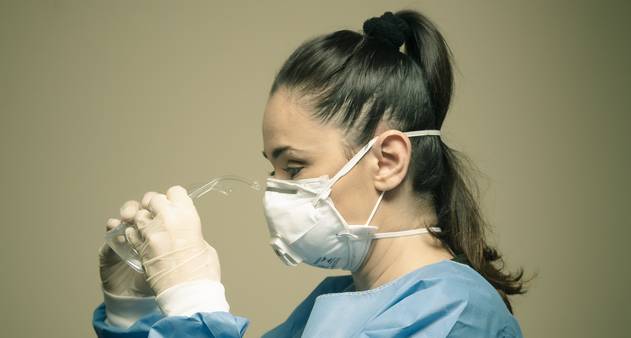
(354, 195)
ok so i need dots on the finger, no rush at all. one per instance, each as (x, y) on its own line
(128, 210)
(158, 203)
(112, 223)
(142, 218)
(178, 195)
(147, 198)
(134, 238)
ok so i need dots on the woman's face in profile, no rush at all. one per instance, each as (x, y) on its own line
(298, 147)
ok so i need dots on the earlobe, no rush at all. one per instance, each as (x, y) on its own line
(392, 150)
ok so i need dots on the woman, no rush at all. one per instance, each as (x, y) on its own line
(362, 182)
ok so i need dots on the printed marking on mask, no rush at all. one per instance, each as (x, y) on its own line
(330, 261)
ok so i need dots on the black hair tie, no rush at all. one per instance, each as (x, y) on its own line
(388, 28)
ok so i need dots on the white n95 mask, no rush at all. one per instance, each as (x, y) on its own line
(306, 227)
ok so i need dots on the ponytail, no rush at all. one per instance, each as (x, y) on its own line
(456, 194)
(426, 46)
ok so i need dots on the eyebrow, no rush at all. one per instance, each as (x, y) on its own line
(277, 152)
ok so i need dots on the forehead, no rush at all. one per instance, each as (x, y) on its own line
(287, 122)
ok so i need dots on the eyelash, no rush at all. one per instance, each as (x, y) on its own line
(287, 170)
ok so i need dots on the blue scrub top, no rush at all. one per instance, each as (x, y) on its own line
(444, 299)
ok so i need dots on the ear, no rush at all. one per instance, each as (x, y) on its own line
(392, 150)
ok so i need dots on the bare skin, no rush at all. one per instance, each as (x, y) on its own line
(298, 147)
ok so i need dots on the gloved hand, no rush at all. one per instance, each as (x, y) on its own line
(116, 276)
(170, 242)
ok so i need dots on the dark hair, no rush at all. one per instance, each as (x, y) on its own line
(357, 80)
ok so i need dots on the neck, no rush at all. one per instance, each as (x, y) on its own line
(391, 258)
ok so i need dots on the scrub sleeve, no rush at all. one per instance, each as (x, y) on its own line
(194, 309)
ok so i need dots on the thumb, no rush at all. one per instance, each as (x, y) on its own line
(133, 236)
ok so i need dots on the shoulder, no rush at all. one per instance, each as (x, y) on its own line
(456, 281)
(466, 285)
(459, 301)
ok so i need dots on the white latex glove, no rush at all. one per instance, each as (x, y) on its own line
(117, 277)
(170, 242)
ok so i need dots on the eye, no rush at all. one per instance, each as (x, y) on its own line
(272, 173)
(293, 171)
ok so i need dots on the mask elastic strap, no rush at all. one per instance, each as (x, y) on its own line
(361, 153)
(353, 161)
(374, 209)
(364, 150)
(404, 233)
(422, 133)
(345, 169)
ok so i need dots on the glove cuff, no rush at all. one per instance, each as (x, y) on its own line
(123, 311)
(188, 298)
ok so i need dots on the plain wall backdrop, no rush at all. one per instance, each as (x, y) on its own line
(101, 101)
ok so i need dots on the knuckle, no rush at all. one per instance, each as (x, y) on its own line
(128, 209)
(147, 197)
(140, 216)
(156, 198)
(154, 204)
(129, 204)
(113, 222)
(152, 198)
(175, 188)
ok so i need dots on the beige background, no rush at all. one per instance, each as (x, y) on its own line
(102, 101)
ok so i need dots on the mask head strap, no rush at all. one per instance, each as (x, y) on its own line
(403, 233)
(361, 153)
